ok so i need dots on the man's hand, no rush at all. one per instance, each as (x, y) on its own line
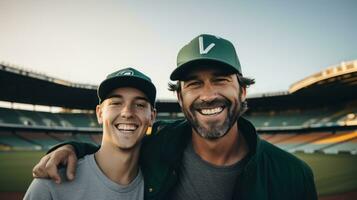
(48, 165)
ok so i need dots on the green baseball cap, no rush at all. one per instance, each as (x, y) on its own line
(206, 50)
(128, 77)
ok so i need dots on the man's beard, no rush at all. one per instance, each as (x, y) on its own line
(214, 130)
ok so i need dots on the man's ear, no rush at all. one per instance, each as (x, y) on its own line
(99, 112)
(153, 115)
(152, 120)
(179, 98)
(244, 93)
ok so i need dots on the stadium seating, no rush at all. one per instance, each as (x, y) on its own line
(80, 119)
(273, 120)
(62, 136)
(47, 119)
(276, 138)
(84, 138)
(50, 119)
(347, 117)
(292, 143)
(9, 116)
(325, 142)
(32, 118)
(40, 138)
(300, 118)
(349, 146)
(265, 136)
(17, 143)
(30, 140)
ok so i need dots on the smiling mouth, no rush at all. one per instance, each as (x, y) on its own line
(211, 111)
(126, 128)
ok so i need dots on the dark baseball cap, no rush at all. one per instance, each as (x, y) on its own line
(128, 77)
(206, 50)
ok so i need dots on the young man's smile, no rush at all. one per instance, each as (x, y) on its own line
(126, 127)
(125, 115)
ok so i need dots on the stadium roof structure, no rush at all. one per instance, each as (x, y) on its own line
(336, 84)
(339, 74)
(22, 86)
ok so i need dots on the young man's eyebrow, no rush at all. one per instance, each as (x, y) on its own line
(142, 98)
(115, 96)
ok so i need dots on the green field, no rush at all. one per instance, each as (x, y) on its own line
(16, 170)
(333, 173)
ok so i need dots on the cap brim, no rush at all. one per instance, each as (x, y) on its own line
(181, 71)
(108, 85)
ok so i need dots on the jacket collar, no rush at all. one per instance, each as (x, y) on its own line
(179, 133)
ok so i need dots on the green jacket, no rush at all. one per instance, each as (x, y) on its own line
(270, 173)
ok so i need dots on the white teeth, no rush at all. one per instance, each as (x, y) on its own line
(211, 111)
(127, 127)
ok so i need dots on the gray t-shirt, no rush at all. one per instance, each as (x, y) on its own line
(201, 180)
(90, 183)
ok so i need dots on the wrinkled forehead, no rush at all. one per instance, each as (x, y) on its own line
(210, 71)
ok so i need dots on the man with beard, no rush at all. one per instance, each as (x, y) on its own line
(215, 153)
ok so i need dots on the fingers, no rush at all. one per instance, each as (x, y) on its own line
(38, 170)
(48, 165)
(71, 166)
(63, 155)
(51, 168)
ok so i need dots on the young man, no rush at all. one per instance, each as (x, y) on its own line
(215, 153)
(126, 111)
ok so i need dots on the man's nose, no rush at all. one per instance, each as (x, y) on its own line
(208, 92)
(126, 112)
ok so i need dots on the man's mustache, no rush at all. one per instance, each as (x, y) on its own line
(217, 102)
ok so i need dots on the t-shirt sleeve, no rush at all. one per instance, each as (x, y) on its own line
(38, 190)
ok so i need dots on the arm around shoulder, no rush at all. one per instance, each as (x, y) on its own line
(80, 148)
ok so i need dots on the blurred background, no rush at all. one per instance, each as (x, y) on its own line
(53, 55)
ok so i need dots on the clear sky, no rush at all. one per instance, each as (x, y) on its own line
(278, 42)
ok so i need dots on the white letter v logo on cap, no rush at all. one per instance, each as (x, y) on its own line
(202, 49)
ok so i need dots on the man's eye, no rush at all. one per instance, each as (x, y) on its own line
(221, 80)
(140, 105)
(193, 83)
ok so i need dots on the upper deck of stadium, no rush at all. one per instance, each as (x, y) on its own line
(324, 102)
(334, 85)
